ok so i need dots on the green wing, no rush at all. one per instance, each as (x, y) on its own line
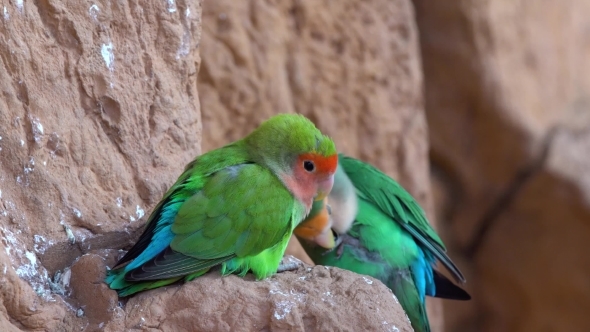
(390, 197)
(192, 179)
(240, 211)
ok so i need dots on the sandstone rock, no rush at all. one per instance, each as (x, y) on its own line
(21, 308)
(351, 66)
(98, 115)
(89, 293)
(310, 299)
(507, 99)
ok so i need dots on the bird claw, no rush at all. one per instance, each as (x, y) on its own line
(340, 242)
(289, 263)
(340, 250)
(329, 209)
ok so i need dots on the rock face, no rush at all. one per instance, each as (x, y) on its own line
(20, 306)
(353, 67)
(508, 99)
(311, 299)
(98, 115)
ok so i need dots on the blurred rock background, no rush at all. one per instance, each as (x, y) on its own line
(480, 109)
(507, 92)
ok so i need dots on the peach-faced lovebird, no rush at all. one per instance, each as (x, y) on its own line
(382, 232)
(235, 206)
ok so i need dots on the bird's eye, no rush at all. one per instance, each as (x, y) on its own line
(309, 166)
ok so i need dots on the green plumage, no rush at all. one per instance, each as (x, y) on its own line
(229, 207)
(391, 240)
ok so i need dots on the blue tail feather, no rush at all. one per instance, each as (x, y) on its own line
(422, 272)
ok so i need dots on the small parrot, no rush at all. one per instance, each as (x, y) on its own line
(235, 206)
(382, 232)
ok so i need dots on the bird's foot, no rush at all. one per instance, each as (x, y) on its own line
(289, 263)
(342, 240)
(340, 250)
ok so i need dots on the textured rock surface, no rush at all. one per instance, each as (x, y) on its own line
(99, 112)
(508, 104)
(311, 299)
(20, 306)
(351, 66)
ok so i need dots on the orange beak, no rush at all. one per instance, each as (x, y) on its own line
(324, 188)
(318, 230)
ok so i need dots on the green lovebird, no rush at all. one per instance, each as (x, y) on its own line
(382, 232)
(235, 206)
